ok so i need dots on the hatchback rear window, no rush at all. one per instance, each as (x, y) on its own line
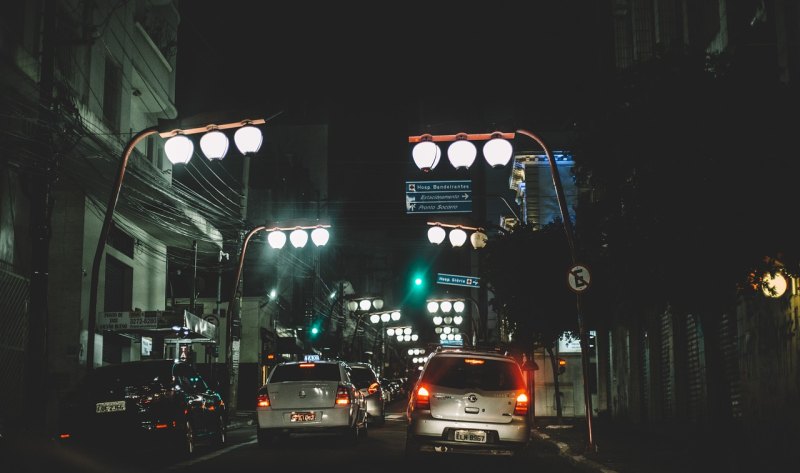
(362, 377)
(471, 373)
(306, 372)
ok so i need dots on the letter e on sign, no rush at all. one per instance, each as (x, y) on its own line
(578, 278)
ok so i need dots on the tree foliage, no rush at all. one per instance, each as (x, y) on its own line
(526, 270)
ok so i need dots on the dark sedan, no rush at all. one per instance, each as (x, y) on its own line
(160, 403)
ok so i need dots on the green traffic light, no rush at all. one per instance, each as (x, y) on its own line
(418, 281)
(314, 331)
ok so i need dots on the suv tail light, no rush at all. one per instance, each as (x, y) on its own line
(263, 400)
(342, 396)
(422, 400)
(373, 388)
(521, 407)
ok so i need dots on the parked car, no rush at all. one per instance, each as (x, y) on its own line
(152, 402)
(367, 382)
(303, 397)
(468, 401)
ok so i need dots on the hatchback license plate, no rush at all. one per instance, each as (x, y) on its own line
(302, 417)
(111, 406)
(475, 436)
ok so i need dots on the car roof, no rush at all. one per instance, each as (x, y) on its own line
(476, 352)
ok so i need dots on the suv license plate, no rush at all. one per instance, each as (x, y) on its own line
(111, 406)
(475, 436)
(302, 417)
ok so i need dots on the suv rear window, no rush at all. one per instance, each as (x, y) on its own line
(362, 376)
(306, 372)
(473, 373)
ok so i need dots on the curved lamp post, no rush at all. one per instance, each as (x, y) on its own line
(497, 151)
(179, 149)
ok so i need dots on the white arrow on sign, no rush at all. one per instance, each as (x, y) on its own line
(578, 278)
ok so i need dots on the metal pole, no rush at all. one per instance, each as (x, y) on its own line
(194, 278)
(562, 204)
(102, 239)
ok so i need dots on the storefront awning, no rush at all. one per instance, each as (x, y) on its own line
(157, 323)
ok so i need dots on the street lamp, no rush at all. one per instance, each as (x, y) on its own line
(179, 150)
(276, 237)
(447, 317)
(457, 235)
(362, 305)
(380, 319)
(498, 152)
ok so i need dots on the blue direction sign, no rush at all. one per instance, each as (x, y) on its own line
(456, 280)
(428, 197)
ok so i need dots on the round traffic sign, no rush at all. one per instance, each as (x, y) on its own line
(578, 278)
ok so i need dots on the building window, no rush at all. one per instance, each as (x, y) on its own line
(120, 241)
(112, 94)
(119, 286)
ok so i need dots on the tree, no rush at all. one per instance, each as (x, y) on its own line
(526, 270)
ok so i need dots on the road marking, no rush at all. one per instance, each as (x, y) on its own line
(211, 455)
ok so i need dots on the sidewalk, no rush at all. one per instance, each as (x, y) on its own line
(241, 419)
(629, 448)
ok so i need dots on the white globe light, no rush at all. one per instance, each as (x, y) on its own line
(374, 318)
(457, 237)
(442, 336)
(179, 149)
(497, 152)
(248, 139)
(214, 144)
(433, 307)
(400, 338)
(447, 329)
(421, 351)
(426, 155)
(364, 304)
(416, 351)
(437, 320)
(774, 286)
(320, 236)
(385, 317)
(411, 351)
(438, 329)
(407, 330)
(377, 303)
(478, 240)
(299, 238)
(450, 336)
(448, 320)
(458, 319)
(446, 306)
(436, 234)
(406, 338)
(390, 332)
(455, 330)
(276, 239)
(461, 153)
(415, 360)
(352, 306)
(395, 316)
(458, 306)
(457, 336)
(414, 337)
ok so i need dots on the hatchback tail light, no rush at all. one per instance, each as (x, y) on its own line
(342, 396)
(263, 400)
(373, 388)
(422, 398)
(521, 407)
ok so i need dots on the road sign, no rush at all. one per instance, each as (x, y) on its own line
(456, 280)
(438, 197)
(578, 278)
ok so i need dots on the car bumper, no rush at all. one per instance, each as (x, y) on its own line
(324, 419)
(427, 429)
(375, 406)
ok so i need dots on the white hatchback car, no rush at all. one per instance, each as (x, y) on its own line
(468, 401)
(310, 397)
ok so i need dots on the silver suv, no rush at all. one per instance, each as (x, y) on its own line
(468, 401)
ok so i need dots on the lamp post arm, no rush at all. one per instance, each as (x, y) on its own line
(562, 201)
(103, 238)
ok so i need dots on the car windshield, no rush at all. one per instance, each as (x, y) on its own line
(305, 372)
(362, 377)
(474, 373)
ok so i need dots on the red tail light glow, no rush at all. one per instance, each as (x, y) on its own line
(422, 400)
(342, 396)
(263, 400)
(373, 388)
(521, 407)
(162, 426)
(64, 436)
(306, 365)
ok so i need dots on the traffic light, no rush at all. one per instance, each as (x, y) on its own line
(562, 365)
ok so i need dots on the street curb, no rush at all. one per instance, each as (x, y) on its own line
(574, 458)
